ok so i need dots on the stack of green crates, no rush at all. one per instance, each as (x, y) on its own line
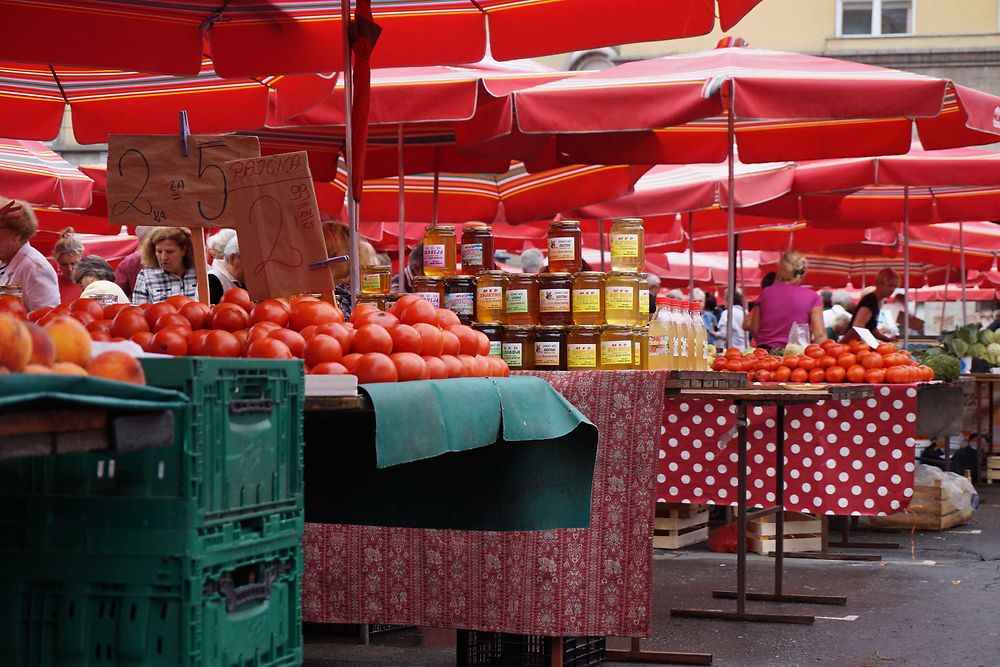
(187, 555)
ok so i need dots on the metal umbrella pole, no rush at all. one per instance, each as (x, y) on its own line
(402, 211)
(352, 207)
(906, 265)
(690, 252)
(731, 217)
(961, 264)
(947, 280)
(600, 240)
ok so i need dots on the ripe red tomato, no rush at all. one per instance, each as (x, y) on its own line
(762, 376)
(338, 331)
(229, 317)
(292, 339)
(468, 341)
(799, 375)
(896, 375)
(196, 340)
(81, 316)
(99, 325)
(447, 318)
(375, 367)
(450, 343)
(817, 375)
(856, 374)
(309, 331)
(885, 348)
(268, 348)
(432, 342)
(305, 313)
(241, 337)
(827, 361)
(846, 360)
(875, 375)
(321, 349)
(169, 342)
(171, 320)
(791, 361)
(109, 311)
(872, 360)
(807, 363)
(143, 339)
(91, 306)
(782, 374)
(410, 366)
(128, 323)
(218, 343)
(484, 343)
(240, 297)
(13, 306)
(271, 310)
(436, 368)
(361, 311)
(384, 320)
(329, 368)
(401, 303)
(470, 367)
(454, 365)
(719, 364)
(814, 351)
(350, 361)
(419, 311)
(836, 374)
(406, 339)
(157, 310)
(197, 314)
(178, 300)
(372, 338)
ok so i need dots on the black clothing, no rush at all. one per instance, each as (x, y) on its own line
(871, 302)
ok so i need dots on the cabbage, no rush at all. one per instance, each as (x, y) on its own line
(987, 337)
(945, 367)
(793, 349)
(960, 347)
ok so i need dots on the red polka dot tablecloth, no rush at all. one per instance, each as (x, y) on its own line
(841, 457)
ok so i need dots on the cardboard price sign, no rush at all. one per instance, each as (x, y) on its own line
(150, 182)
(274, 211)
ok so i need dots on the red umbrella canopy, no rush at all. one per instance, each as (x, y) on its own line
(785, 106)
(255, 37)
(32, 172)
(33, 99)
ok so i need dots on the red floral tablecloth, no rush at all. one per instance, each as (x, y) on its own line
(593, 581)
(842, 457)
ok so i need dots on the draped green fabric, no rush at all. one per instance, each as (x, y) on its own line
(24, 392)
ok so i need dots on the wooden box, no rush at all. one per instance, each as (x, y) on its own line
(705, 380)
(803, 532)
(930, 509)
(992, 469)
(678, 525)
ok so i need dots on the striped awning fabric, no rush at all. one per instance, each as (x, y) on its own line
(32, 172)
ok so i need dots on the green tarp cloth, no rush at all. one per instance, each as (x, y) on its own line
(465, 453)
(20, 392)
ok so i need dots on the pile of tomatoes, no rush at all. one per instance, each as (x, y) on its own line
(831, 362)
(413, 341)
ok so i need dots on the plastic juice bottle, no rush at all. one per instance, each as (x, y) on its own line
(660, 353)
(685, 336)
(700, 334)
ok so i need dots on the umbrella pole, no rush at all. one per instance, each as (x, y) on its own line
(906, 266)
(743, 276)
(690, 252)
(944, 299)
(434, 198)
(731, 217)
(352, 207)
(402, 211)
(961, 264)
(600, 239)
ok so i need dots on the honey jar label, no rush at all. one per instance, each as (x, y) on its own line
(371, 282)
(624, 245)
(546, 353)
(581, 355)
(614, 352)
(459, 303)
(490, 298)
(644, 301)
(517, 301)
(618, 298)
(562, 249)
(636, 352)
(434, 256)
(586, 301)
(553, 300)
(496, 349)
(512, 353)
(472, 254)
(433, 297)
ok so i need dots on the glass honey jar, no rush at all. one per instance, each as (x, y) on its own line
(460, 297)
(522, 298)
(377, 300)
(491, 291)
(588, 297)
(640, 348)
(643, 304)
(494, 332)
(550, 348)
(518, 348)
(621, 298)
(627, 240)
(439, 250)
(565, 241)
(583, 347)
(375, 279)
(617, 347)
(477, 249)
(430, 288)
(554, 299)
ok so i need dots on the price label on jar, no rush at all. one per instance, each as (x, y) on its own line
(371, 282)
(644, 301)
(490, 298)
(433, 297)
(587, 301)
(546, 353)
(459, 303)
(618, 297)
(554, 300)
(616, 352)
(581, 355)
(434, 256)
(496, 349)
(517, 301)
(562, 249)
(512, 353)
(472, 254)
(624, 245)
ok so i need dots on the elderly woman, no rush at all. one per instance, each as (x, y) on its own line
(66, 253)
(97, 279)
(223, 278)
(168, 256)
(20, 264)
(787, 302)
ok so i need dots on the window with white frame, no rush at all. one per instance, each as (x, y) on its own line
(874, 17)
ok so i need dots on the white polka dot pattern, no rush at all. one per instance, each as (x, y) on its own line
(841, 457)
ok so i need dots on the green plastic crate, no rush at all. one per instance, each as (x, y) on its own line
(240, 609)
(238, 453)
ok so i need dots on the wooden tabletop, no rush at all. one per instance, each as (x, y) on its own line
(985, 377)
(775, 393)
(359, 403)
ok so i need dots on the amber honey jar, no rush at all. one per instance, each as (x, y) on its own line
(518, 348)
(554, 299)
(430, 288)
(440, 250)
(627, 240)
(583, 348)
(588, 297)
(565, 243)
(477, 249)
(550, 348)
(522, 298)
(643, 304)
(375, 279)
(621, 298)
(377, 300)
(640, 348)
(617, 347)
(493, 331)
(460, 297)
(491, 290)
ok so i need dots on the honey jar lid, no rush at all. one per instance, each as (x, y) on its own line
(514, 276)
(493, 273)
(520, 327)
(564, 224)
(619, 327)
(440, 228)
(557, 274)
(590, 274)
(584, 327)
(477, 227)
(553, 327)
(627, 221)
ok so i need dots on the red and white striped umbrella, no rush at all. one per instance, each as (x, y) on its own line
(32, 172)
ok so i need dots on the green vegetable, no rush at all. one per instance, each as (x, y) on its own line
(793, 349)
(945, 367)
(959, 348)
(987, 337)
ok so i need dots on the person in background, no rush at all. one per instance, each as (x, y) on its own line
(215, 245)
(675, 294)
(20, 263)
(228, 274)
(740, 339)
(168, 258)
(128, 269)
(866, 316)
(532, 261)
(708, 313)
(414, 267)
(97, 280)
(843, 299)
(995, 324)
(750, 315)
(66, 253)
(787, 302)
(654, 289)
(337, 238)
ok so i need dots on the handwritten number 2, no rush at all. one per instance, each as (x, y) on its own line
(122, 206)
(202, 169)
(263, 213)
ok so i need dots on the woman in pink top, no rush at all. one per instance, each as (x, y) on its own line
(787, 302)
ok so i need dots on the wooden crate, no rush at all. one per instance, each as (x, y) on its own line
(705, 380)
(803, 532)
(678, 525)
(992, 469)
(929, 509)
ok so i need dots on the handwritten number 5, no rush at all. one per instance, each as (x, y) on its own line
(202, 169)
(122, 206)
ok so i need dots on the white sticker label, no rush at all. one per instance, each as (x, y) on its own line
(434, 256)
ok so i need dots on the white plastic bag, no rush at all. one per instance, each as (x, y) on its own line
(959, 490)
(798, 334)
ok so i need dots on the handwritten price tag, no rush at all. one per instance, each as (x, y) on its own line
(150, 182)
(274, 211)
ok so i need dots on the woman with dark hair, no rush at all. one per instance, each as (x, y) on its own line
(97, 279)
(168, 256)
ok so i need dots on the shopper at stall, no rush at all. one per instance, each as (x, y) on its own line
(215, 246)
(995, 324)
(66, 253)
(866, 315)
(226, 272)
(414, 267)
(128, 269)
(711, 318)
(740, 340)
(532, 261)
(168, 257)
(654, 289)
(97, 280)
(20, 263)
(337, 238)
(785, 303)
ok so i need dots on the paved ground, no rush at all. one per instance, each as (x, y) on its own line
(934, 602)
